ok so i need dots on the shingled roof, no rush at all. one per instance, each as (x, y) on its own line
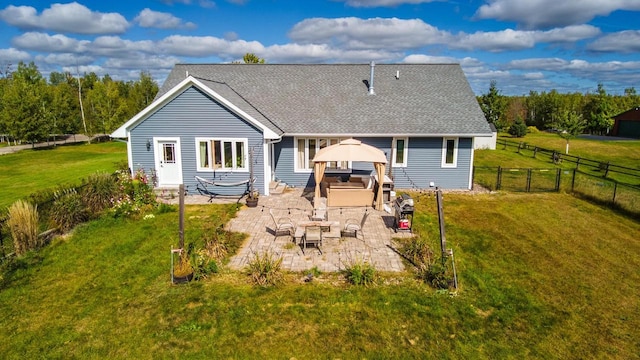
(333, 99)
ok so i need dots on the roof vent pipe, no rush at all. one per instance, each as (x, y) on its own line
(371, 92)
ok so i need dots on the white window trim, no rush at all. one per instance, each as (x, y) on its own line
(296, 164)
(245, 143)
(455, 152)
(394, 151)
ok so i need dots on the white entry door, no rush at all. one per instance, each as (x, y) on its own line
(168, 162)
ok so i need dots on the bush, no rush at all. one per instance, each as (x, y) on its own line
(417, 251)
(68, 210)
(265, 270)
(532, 130)
(135, 195)
(360, 273)
(518, 129)
(23, 226)
(435, 274)
(98, 191)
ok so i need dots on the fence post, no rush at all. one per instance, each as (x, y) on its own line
(615, 190)
(535, 150)
(528, 187)
(606, 171)
(558, 174)
(573, 180)
(499, 179)
(578, 163)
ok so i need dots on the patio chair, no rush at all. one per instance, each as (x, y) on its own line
(353, 226)
(283, 226)
(313, 236)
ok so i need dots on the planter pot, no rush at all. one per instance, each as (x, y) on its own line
(182, 279)
(252, 202)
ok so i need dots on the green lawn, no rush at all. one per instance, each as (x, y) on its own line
(542, 276)
(27, 171)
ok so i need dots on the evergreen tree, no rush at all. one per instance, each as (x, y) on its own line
(494, 106)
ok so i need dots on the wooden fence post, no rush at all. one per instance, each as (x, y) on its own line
(535, 150)
(606, 171)
(528, 187)
(573, 180)
(558, 174)
(615, 190)
(499, 178)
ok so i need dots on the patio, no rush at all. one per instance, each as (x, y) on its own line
(337, 252)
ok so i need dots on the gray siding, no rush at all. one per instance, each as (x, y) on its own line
(193, 114)
(423, 166)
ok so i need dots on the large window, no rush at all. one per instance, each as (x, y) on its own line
(399, 152)
(221, 154)
(306, 149)
(449, 152)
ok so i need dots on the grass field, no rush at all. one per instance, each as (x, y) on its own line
(544, 275)
(27, 171)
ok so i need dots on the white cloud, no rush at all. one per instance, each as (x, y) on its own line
(535, 14)
(307, 53)
(13, 55)
(383, 3)
(65, 59)
(148, 18)
(202, 46)
(201, 3)
(376, 33)
(65, 18)
(624, 41)
(42, 42)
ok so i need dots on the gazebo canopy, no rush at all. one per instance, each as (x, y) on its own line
(350, 150)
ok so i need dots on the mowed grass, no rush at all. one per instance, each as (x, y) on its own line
(541, 276)
(28, 171)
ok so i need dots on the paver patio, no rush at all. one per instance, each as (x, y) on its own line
(374, 246)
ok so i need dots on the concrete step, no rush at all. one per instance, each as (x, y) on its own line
(279, 189)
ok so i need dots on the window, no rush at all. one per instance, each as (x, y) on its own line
(221, 154)
(449, 152)
(399, 152)
(306, 149)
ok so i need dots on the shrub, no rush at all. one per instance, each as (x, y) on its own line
(23, 226)
(183, 266)
(135, 195)
(532, 130)
(68, 210)
(265, 270)
(97, 192)
(518, 129)
(360, 273)
(417, 250)
(435, 274)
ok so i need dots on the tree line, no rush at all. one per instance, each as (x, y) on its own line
(563, 112)
(33, 108)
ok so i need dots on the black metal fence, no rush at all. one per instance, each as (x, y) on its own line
(597, 188)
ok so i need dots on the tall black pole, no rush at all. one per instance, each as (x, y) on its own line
(181, 212)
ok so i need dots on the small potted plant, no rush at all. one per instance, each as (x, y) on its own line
(182, 270)
(252, 198)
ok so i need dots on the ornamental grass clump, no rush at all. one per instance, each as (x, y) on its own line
(23, 226)
(360, 273)
(97, 192)
(68, 210)
(265, 270)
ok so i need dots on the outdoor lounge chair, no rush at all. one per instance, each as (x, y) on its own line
(353, 226)
(313, 236)
(283, 226)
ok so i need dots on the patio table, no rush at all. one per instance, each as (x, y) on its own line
(324, 225)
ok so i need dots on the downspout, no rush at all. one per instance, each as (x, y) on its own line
(271, 161)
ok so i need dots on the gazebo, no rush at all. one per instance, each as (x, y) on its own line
(350, 150)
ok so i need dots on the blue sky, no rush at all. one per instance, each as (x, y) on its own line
(567, 45)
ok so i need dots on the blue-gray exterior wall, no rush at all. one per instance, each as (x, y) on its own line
(424, 164)
(194, 114)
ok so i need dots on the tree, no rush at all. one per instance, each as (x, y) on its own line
(250, 58)
(494, 106)
(24, 104)
(518, 129)
(570, 125)
(599, 111)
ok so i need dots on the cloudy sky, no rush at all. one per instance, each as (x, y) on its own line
(567, 45)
